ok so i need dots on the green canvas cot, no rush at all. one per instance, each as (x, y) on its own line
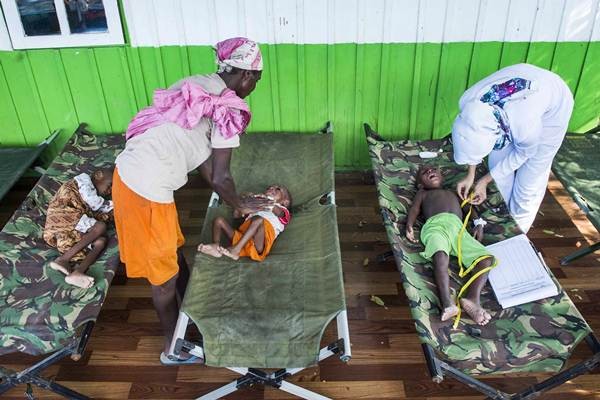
(533, 337)
(16, 160)
(577, 166)
(39, 313)
(272, 314)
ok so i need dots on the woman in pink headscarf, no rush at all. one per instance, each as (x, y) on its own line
(194, 124)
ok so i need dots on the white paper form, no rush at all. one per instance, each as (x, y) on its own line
(521, 275)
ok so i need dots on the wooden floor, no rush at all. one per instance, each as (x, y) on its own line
(121, 361)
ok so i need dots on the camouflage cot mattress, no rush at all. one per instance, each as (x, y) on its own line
(39, 312)
(534, 337)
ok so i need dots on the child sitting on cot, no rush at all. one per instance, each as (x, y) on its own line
(255, 237)
(444, 219)
(76, 224)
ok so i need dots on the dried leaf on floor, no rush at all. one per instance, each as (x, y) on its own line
(366, 262)
(362, 223)
(377, 300)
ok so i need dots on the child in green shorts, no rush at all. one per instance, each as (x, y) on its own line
(444, 219)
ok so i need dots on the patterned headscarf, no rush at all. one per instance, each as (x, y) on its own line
(483, 125)
(240, 53)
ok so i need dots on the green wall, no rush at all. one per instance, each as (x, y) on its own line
(403, 90)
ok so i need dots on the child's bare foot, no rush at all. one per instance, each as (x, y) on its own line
(79, 279)
(231, 254)
(449, 312)
(475, 311)
(210, 249)
(60, 266)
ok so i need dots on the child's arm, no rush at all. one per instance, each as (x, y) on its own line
(413, 213)
(479, 223)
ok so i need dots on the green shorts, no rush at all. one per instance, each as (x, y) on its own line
(440, 233)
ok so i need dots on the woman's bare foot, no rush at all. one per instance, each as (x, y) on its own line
(475, 311)
(79, 279)
(449, 312)
(210, 249)
(60, 266)
(231, 254)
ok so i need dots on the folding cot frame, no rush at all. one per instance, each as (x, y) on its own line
(32, 375)
(251, 376)
(438, 368)
(586, 209)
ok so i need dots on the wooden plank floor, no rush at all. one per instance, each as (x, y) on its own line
(121, 361)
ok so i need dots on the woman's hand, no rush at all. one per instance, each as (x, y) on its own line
(251, 204)
(463, 187)
(480, 190)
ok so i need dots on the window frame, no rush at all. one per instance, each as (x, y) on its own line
(19, 40)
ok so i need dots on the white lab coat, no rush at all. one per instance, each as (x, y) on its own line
(538, 122)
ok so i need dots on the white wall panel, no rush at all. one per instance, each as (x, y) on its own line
(578, 20)
(547, 19)
(520, 21)
(5, 43)
(204, 22)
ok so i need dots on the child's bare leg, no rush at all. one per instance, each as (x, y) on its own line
(219, 226)
(471, 302)
(255, 231)
(78, 276)
(62, 262)
(441, 262)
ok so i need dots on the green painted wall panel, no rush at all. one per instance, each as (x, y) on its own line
(11, 133)
(25, 96)
(403, 90)
(89, 97)
(541, 54)
(53, 88)
(587, 96)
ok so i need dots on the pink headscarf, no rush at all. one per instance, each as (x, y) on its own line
(187, 105)
(240, 53)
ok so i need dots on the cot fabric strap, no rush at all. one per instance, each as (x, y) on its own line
(464, 272)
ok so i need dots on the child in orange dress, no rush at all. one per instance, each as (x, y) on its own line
(255, 237)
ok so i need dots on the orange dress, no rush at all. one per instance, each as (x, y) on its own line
(148, 232)
(249, 249)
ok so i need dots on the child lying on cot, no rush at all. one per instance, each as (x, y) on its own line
(255, 237)
(444, 220)
(76, 224)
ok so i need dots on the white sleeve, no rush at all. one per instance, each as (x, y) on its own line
(217, 141)
(521, 151)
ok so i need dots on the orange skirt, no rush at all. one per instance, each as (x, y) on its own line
(148, 234)
(249, 249)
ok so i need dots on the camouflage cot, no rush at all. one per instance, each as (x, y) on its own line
(39, 313)
(272, 314)
(577, 166)
(534, 337)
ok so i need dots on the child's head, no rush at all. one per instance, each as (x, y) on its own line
(429, 177)
(102, 179)
(280, 194)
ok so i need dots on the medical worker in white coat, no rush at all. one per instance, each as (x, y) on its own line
(517, 117)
